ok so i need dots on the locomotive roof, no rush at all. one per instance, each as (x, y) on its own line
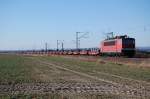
(118, 37)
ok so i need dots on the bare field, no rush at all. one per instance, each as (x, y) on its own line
(58, 77)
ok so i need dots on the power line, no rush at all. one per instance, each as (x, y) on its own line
(79, 37)
(62, 44)
(110, 35)
(57, 44)
(46, 47)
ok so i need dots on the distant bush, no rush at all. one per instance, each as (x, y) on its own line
(142, 54)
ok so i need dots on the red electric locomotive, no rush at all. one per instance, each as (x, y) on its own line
(119, 45)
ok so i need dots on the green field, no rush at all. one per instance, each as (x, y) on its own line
(15, 69)
(95, 68)
(34, 69)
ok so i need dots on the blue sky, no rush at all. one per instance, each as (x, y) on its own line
(28, 24)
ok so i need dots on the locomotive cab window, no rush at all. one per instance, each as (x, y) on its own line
(128, 41)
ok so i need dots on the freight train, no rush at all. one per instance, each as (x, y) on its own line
(119, 45)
